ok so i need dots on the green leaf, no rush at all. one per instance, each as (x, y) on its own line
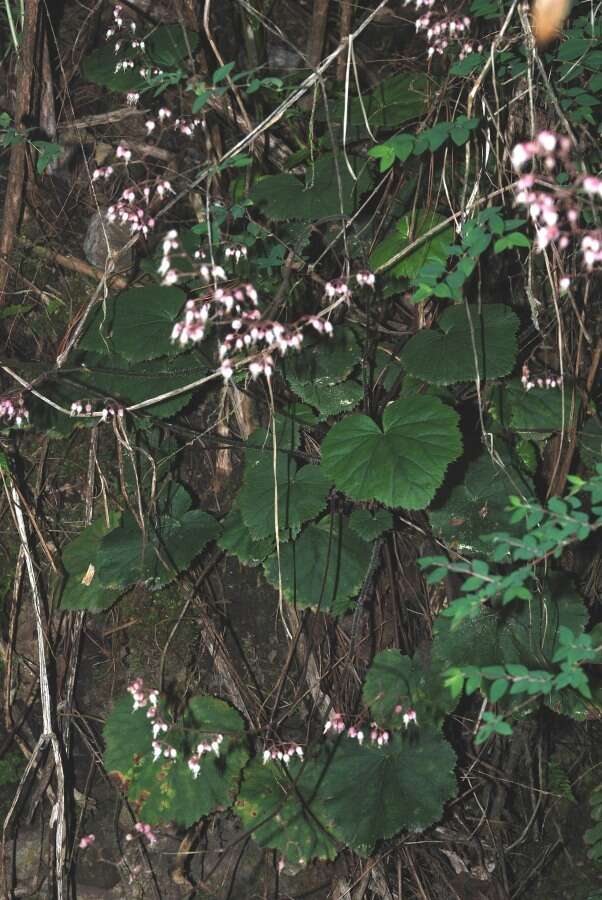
(525, 635)
(399, 147)
(394, 101)
(369, 526)
(127, 735)
(136, 324)
(126, 557)
(448, 355)
(397, 240)
(83, 588)
(538, 413)
(129, 383)
(282, 197)
(99, 68)
(48, 154)
(323, 568)
(402, 465)
(478, 505)
(222, 73)
(301, 496)
(372, 792)
(514, 239)
(394, 680)
(278, 805)
(168, 45)
(166, 791)
(318, 373)
(237, 540)
(498, 689)
(385, 154)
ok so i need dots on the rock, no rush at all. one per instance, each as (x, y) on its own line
(104, 238)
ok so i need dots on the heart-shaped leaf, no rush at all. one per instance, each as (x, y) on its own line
(127, 556)
(373, 792)
(285, 197)
(165, 790)
(322, 569)
(447, 354)
(301, 496)
(478, 505)
(407, 230)
(277, 803)
(136, 324)
(83, 588)
(402, 465)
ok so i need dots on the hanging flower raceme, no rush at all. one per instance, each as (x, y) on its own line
(283, 754)
(213, 746)
(443, 30)
(529, 382)
(142, 829)
(134, 208)
(555, 209)
(13, 410)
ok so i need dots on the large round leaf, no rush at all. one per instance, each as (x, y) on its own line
(165, 790)
(129, 383)
(402, 465)
(479, 505)
(277, 803)
(369, 525)
(372, 792)
(285, 197)
(524, 634)
(83, 588)
(447, 355)
(237, 540)
(396, 683)
(127, 734)
(125, 556)
(319, 373)
(136, 324)
(322, 569)
(538, 413)
(301, 496)
(330, 400)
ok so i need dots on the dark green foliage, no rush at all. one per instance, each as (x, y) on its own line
(402, 465)
(323, 568)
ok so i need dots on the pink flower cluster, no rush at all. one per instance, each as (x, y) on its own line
(145, 831)
(181, 124)
(547, 145)
(528, 382)
(81, 408)
(140, 695)
(379, 736)
(102, 172)
(194, 763)
(208, 272)
(86, 841)
(443, 30)
(134, 207)
(238, 307)
(283, 754)
(555, 209)
(338, 288)
(13, 409)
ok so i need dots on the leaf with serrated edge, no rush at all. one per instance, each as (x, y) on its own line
(402, 465)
